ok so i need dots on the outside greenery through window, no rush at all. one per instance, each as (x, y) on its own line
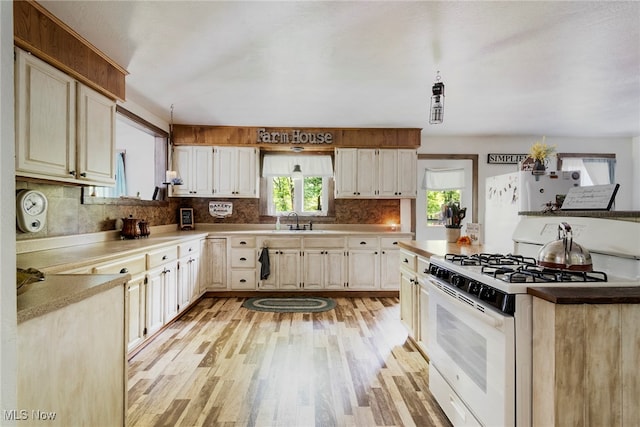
(435, 200)
(306, 196)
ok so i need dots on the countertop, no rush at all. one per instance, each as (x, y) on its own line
(59, 290)
(426, 248)
(588, 295)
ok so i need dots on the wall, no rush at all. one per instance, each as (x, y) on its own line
(635, 162)
(68, 216)
(627, 167)
(8, 322)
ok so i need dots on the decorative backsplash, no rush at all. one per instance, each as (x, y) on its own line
(68, 216)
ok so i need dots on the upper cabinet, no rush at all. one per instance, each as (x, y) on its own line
(65, 131)
(235, 172)
(375, 173)
(195, 166)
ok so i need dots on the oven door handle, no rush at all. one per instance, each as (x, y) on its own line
(486, 317)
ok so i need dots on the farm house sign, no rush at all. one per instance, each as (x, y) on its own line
(296, 136)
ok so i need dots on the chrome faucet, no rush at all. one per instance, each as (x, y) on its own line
(297, 221)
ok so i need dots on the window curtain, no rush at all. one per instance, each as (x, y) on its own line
(443, 179)
(593, 171)
(281, 165)
(120, 189)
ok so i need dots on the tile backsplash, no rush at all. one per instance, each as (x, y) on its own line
(68, 216)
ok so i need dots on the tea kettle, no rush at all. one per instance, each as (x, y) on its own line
(564, 253)
(129, 228)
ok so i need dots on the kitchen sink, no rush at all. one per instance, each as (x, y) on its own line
(287, 231)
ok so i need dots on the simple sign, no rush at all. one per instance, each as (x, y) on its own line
(505, 159)
(591, 198)
(294, 137)
(186, 219)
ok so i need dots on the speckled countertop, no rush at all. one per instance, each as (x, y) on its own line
(60, 290)
(426, 248)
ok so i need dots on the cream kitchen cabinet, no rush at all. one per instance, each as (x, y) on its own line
(214, 265)
(235, 172)
(135, 304)
(188, 273)
(65, 131)
(323, 263)
(423, 306)
(194, 165)
(397, 173)
(409, 293)
(162, 287)
(389, 262)
(285, 264)
(242, 262)
(363, 263)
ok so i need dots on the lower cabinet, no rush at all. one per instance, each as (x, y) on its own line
(363, 263)
(323, 269)
(213, 265)
(162, 287)
(389, 258)
(284, 264)
(136, 311)
(409, 293)
(242, 263)
(188, 273)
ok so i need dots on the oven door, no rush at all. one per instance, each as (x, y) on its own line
(474, 352)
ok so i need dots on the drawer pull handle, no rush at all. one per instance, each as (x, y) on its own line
(406, 260)
(363, 243)
(164, 257)
(243, 243)
(243, 259)
(243, 280)
(394, 243)
(124, 270)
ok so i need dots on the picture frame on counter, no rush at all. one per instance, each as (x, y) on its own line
(186, 219)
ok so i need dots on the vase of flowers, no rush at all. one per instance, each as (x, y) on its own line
(540, 152)
(453, 215)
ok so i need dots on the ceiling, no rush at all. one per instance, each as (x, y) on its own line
(510, 68)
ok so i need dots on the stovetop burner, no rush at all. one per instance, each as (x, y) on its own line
(536, 274)
(486, 259)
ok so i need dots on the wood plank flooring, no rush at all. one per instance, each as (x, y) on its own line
(223, 365)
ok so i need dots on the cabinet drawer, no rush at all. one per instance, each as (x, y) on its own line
(408, 260)
(363, 242)
(243, 242)
(243, 279)
(323, 242)
(388, 243)
(132, 266)
(160, 256)
(188, 248)
(282, 243)
(243, 258)
(423, 267)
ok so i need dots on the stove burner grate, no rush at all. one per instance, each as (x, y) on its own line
(536, 274)
(487, 259)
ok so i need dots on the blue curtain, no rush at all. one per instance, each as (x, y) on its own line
(611, 165)
(120, 189)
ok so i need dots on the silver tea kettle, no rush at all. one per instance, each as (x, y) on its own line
(564, 253)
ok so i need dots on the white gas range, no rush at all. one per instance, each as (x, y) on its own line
(480, 315)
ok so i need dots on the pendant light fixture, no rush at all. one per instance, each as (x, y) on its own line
(297, 172)
(436, 115)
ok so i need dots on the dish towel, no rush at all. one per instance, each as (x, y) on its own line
(265, 269)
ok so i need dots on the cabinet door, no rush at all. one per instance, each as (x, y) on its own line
(184, 282)
(202, 171)
(246, 172)
(364, 269)
(407, 170)
(314, 268)
(406, 300)
(214, 265)
(224, 175)
(367, 172)
(155, 300)
(45, 119)
(170, 284)
(334, 269)
(182, 161)
(388, 173)
(136, 313)
(423, 309)
(96, 137)
(194, 279)
(389, 275)
(346, 172)
(289, 269)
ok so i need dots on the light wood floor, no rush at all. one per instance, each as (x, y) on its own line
(221, 364)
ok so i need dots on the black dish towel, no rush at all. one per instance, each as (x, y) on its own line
(265, 269)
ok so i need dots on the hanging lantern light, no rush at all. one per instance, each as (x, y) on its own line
(297, 172)
(436, 115)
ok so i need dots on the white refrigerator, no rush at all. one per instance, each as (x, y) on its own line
(508, 194)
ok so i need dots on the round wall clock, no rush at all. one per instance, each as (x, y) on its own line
(31, 210)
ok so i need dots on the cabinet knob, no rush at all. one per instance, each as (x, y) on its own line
(406, 260)
(164, 257)
(72, 172)
(83, 174)
(124, 270)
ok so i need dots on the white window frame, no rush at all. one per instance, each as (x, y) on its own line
(298, 198)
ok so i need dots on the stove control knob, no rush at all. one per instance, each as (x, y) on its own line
(457, 281)
(474, 288)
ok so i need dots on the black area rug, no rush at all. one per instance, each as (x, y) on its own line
(290, 304)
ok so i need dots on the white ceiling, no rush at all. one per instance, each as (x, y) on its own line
(509, 68)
